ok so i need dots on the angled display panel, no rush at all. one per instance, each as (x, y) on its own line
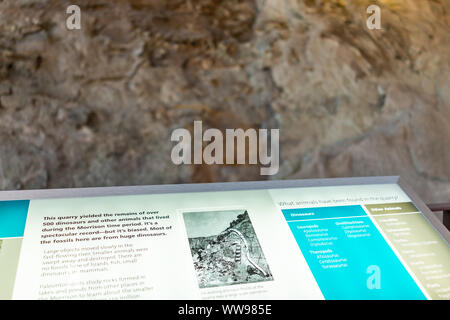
(354, 238)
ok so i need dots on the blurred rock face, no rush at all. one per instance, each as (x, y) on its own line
(96, 106)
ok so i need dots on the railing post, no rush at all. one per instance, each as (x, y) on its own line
(446, 218)
(445, 209)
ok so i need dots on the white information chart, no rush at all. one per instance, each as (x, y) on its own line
(358, 238)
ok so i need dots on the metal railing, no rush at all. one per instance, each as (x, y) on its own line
(445, 209)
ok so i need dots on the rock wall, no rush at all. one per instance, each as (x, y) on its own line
(96, 106)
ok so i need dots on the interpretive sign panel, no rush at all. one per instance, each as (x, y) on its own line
(355, 238)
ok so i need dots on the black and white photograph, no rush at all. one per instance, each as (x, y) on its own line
(225, 249)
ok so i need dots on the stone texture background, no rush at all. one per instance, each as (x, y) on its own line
(96, 106)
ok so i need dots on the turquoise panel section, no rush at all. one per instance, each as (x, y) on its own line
(349, 257)
(13, 216)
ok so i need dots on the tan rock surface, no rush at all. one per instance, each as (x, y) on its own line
(96, 106)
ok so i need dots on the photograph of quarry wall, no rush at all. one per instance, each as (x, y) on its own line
(225, 249)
